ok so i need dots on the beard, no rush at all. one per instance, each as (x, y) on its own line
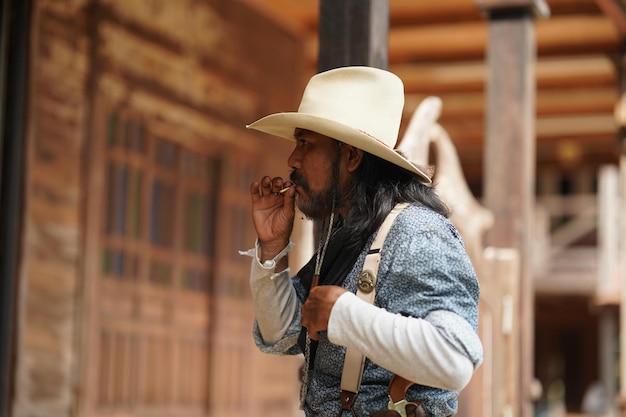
(317, 205)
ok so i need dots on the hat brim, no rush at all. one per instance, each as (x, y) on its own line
(284, 124)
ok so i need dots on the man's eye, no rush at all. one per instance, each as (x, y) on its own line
(302, 142)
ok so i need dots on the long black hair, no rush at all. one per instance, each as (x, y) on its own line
(378, 186)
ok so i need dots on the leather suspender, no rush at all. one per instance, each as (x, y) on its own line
(354, 360)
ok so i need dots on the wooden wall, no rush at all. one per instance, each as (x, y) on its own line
(197, 70)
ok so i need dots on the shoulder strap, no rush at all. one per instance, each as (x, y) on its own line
(354, 360)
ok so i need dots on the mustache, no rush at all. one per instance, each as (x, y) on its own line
(299, 179)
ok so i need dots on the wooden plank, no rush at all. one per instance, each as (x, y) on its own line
(562, 72)
(427, 12)
(575, 125)
(608, 255)
(588, 131)
(553, 102)
(578, 34)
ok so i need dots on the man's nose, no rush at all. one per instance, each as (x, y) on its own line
(294, 161)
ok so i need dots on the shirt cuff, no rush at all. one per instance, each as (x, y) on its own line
(270, 264)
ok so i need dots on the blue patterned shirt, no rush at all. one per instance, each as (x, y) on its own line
(424, 272)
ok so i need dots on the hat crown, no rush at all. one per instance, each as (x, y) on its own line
(367, 99)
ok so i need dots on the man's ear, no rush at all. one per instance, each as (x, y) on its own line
(354, 158)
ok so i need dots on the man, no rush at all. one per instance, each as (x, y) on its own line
(346, 174)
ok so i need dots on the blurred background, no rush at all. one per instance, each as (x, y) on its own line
(124, 198)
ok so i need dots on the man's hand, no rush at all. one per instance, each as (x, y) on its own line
(272, 214)
(316, 310)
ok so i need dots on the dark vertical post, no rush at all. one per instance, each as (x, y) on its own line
(509, 168)
(14, 45)
(353, 32)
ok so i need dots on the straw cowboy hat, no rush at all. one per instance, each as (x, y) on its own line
(360, 106)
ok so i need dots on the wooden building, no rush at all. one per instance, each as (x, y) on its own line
(130, 296)
(124, 191)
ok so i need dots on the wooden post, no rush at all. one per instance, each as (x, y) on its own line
(608, 256)
(353, 32)
(509, 174)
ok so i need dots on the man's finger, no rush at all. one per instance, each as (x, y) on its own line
(313, 335)
(254, 190)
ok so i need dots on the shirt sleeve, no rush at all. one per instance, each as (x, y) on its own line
(393, 341)
(275, 304)
(273, 299)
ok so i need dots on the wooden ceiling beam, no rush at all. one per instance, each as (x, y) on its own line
(576, 34)
(471, 150)
(552, 102)
(576, 126)
(572, 34)
(562, 72)
(414, 12)
(576, 100)
(435, 78)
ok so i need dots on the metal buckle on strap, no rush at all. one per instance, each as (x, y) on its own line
(347, 399)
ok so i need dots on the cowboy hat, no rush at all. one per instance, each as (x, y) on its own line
(359, 106)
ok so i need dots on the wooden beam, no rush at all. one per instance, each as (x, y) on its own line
(563, 72)
(577, 35)
(563, 35)
(550, 102)
(441, 77)
(591, 129)
(413, 12)
(577, 125)
(575, 72)
(437, 42)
